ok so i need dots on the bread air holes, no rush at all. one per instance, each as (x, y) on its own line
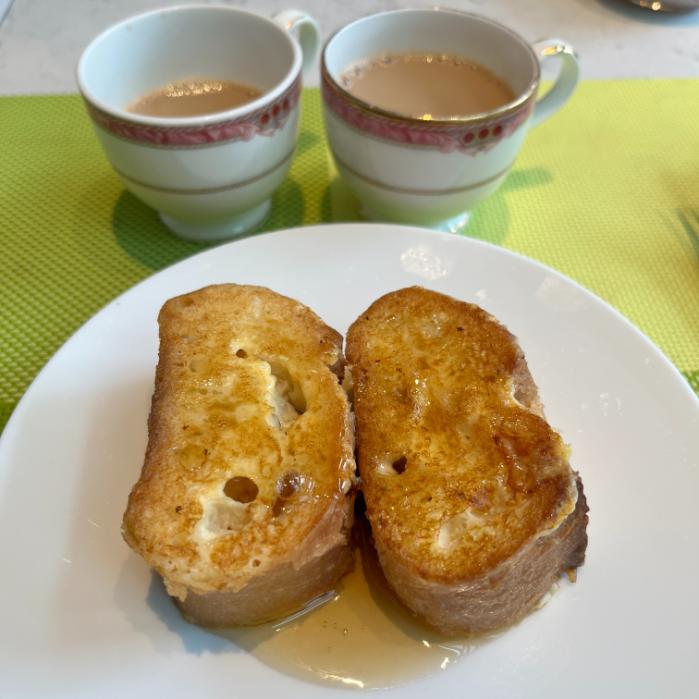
(191, 456)
(198, 364)
(241, 489)
(287, 486)
(399, 464)
(289, 401)
(241, 354)
(287, 388)
(393, 465)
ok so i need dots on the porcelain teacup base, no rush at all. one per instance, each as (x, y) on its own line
(214, 232)
(455, 224)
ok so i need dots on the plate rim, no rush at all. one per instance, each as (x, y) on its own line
(10, 425)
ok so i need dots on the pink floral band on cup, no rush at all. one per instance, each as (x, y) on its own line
(468, 136)
(264, 122)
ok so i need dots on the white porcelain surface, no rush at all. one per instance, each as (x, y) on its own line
(208, 190)
(143, 53)
(411, 183)
(253, 169)
(416, 169)
(81, 618)
(424, 31)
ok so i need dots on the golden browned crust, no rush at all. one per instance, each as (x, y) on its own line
(473, 505)
(498, 597)
(284, 588)
(248, 473)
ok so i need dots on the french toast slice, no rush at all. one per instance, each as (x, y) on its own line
(245, 502)
(474, 508)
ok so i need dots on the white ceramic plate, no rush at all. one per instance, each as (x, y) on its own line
(78, 618)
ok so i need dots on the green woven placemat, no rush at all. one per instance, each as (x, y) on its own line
(598, 192)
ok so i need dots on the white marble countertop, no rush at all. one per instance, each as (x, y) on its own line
(41, 40)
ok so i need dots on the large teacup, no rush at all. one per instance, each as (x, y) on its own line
(413, 170)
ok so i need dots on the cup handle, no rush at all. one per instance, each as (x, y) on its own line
(567, 79)
(305, 30)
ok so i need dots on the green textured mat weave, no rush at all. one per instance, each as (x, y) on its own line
(602, 192)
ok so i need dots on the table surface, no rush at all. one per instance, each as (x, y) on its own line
(41, 40)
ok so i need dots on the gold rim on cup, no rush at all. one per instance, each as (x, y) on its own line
(472, 133)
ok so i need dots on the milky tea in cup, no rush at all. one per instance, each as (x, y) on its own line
(192, 97)
(427, 85)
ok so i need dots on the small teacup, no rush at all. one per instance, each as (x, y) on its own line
(412, 170)
(211, 176)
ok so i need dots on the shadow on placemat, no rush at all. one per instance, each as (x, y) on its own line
(689, 222)
(141, 234)
(6, 408)
(307, 139)
(525, 178)
(288, 208)
(490, 221)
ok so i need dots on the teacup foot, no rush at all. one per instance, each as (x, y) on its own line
(455, 224)
(212, 232)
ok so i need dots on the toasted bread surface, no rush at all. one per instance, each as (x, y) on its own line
(249, 467)
(466, 484)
